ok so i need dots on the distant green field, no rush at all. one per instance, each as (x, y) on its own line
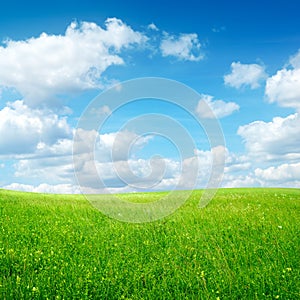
(244, 245)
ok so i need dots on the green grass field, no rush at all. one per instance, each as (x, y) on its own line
(244, 245)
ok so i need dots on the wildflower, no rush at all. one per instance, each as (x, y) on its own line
(280, 227)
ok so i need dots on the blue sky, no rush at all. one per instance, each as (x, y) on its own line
(243, 59)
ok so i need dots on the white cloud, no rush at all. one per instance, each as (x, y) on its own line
(278, 139)
(134, 173)
(199, 166)
(282, 174)
(120, 145)
(245, 74)
(274, 147)
(108, 147)
(50, 169)
(139, 173)
(237, 181)
(42, 67)
(156, 173)
(284, 87)
(45, 67)
(114, 152)
(295, 60)
(24, 130)
(218, 29)
(185, 47)
(103, 110)
(62, 147)
(44, 188)
(236, 163)
(219, 108)
(152, 26)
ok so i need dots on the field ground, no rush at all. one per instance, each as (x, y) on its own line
(244, 245)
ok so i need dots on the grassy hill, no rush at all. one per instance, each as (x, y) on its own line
(244, 245)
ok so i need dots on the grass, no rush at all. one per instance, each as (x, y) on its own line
(244, 245)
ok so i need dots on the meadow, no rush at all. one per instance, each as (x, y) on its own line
(244, 245)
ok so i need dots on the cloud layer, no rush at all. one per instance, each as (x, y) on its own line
(38, 134)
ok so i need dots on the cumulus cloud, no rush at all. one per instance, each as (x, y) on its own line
(235, 167)
(114, 161)
(245, 75)
(284, 173)
(47, 169)
(24, 130)
(284, 87)
(236, 163)
(199, 164)
(120, 145)
(274, 147)
(237, 181)
(127, 170)
(43, 68)
(159, 173)
(111, 156)
(48, 65)
(138, 173)
(273, 140)
(108, 146)
(184, 47)
(142, 174)
(40, 138)
(219, 108)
